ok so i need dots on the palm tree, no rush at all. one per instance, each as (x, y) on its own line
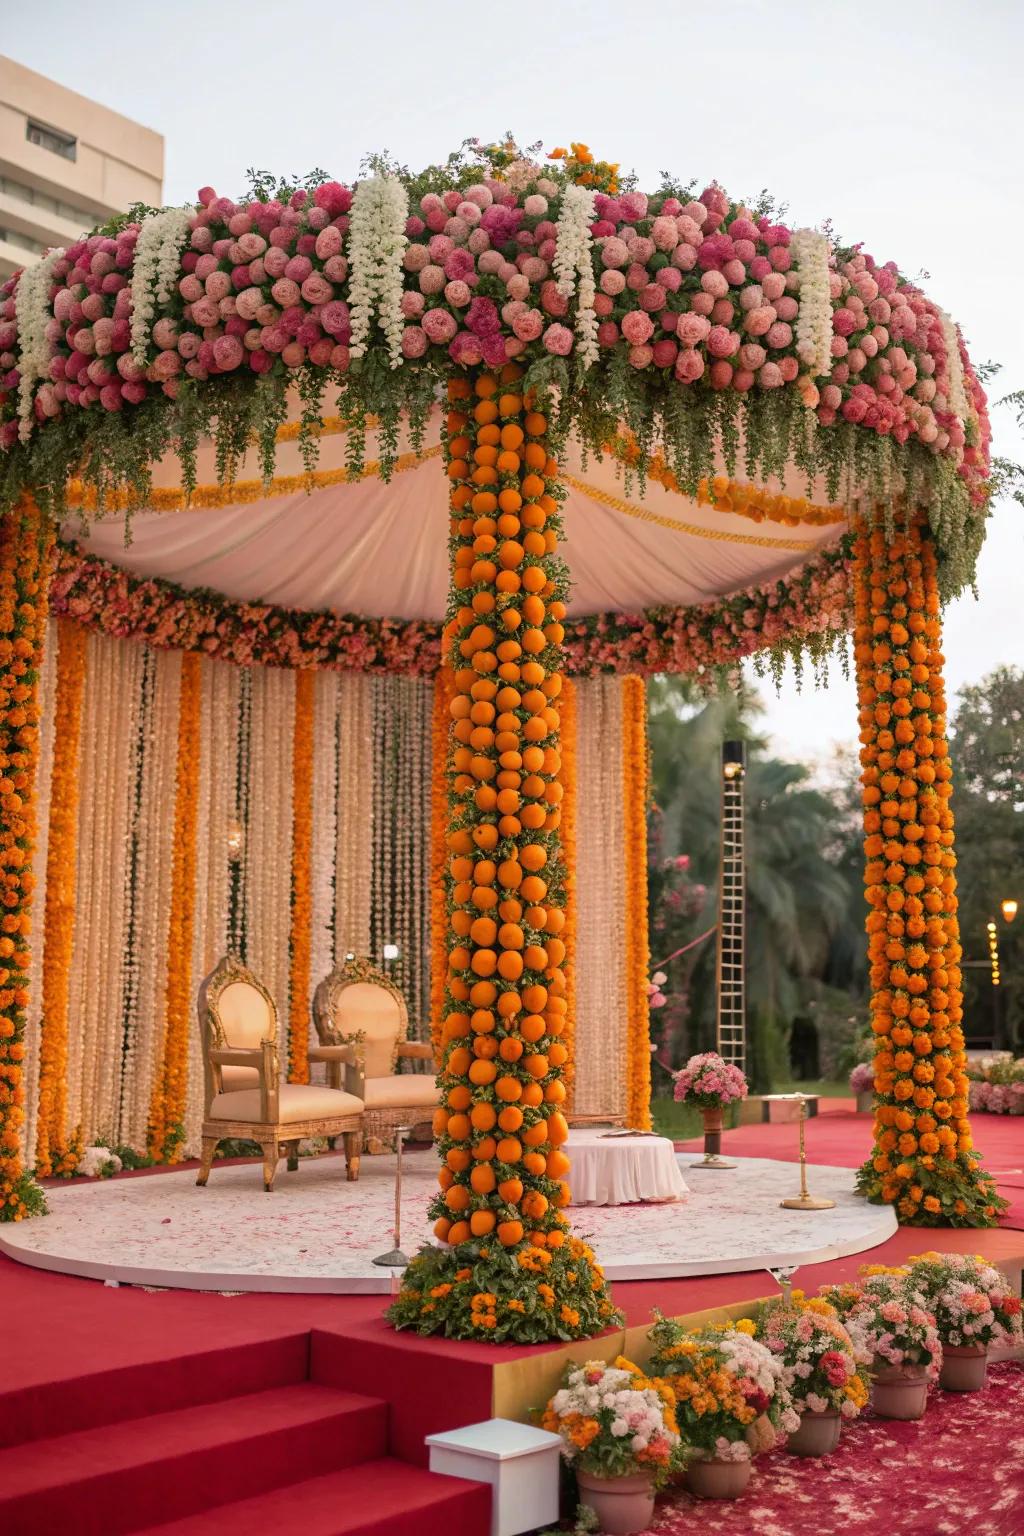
(797, 899)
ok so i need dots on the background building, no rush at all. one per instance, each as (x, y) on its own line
(66, 164)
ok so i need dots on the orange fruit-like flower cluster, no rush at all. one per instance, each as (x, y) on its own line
(914, 946)
(501, 1127)
(25, 549)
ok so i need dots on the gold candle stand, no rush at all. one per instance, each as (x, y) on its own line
(805, 1201)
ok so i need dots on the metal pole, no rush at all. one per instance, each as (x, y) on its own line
(395, 1258)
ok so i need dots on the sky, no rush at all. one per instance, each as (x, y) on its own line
(902, 124)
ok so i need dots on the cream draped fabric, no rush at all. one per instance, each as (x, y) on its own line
(380, 550)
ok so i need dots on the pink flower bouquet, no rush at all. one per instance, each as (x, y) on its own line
(709, 1082)
(972, 1300)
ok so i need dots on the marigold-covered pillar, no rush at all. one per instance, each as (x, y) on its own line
(510, 1267)
(923, 1160)
(25, 549)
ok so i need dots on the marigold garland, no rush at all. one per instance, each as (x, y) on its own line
(167, 1106)
(637, 956)
(299, 977)
(444, 692)
(25, 553)
(923, 1162)
(57, 1152)
(500, 1129)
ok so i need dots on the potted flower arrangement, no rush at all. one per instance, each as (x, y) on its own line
(619, 1434)
(731, 1400)
(711, 1083)
(974, 1308)
(825, 1380)
(862, 1085)
(892, 1326)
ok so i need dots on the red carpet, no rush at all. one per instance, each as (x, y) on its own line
(959, 1469)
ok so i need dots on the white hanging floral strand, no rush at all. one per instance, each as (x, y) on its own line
(957, 393)
(33, 314)
(810, 250)
(376, 246)
(155, 272)
(573, 263)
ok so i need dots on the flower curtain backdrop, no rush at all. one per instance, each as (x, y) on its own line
(186, 806)
(661, 431)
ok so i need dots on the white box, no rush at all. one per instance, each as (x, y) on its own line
(519, 1462)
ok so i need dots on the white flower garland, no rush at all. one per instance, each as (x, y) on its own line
(376, 246)
(573, 260)
(33, 314)
(958, 401)
(155, 271)
(810, 250)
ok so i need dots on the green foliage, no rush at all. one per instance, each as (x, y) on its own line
(25, 1199)
(527, 1295)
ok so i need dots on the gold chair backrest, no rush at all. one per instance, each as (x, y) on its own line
(357, 998)
(235, 1011)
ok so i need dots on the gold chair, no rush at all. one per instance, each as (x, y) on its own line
(357, 1001)
(245, 1097)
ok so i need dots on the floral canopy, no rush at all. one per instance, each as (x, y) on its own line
(655, 432)
(732, 390)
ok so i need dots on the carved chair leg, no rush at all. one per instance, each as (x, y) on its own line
(206, 1160)
(293, 1155)
(270, 1156)
(352, 1140)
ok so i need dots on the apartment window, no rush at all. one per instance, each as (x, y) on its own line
(23, 242)
(52, 139)
(86, 217)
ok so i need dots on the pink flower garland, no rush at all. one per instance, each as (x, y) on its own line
(811, 603)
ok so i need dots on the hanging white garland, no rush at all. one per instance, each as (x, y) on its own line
(957, 393)
(573, 262)
(376, 246)
(155, 271)
(33, 314)
(809, 248)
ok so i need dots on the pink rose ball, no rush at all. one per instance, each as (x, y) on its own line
(432, 280)
(779, 335)
(530, 323)
(665, 233)
(412, 305)
(614, 252)
(316, 289)
(535, 206)
(665, 353)
(607, 333)
(558, 340)
(722, 342)
(518, 287)
(701, 303)
(439, 326)
(769, 376)
(637, 327)
(228, 353)
(641, 357)
(692, 329)
(458, 294)
(689, 366)
(414, 341)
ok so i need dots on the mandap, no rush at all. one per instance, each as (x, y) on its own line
(341, 526)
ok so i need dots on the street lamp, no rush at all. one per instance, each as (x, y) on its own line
(1009, 909)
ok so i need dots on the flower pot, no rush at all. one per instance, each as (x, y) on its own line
(865, 1102)
(621, 1504)
(900, 1391)
(711, 1478)
(964, 1367)
(818, 1434)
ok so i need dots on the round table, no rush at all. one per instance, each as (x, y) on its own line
(612, 1169)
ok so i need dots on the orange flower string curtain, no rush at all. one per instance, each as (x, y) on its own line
(667, 422)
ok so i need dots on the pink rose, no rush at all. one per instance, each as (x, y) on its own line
(558, 340)
(637, 327)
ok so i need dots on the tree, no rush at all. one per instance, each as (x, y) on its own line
(796, 898)
(987, 750)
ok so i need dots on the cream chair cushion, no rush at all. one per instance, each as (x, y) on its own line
(394, 1092)
(364, 1006)
(239, 1077)
(296, 1101)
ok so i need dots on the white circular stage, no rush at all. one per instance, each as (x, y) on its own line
(316, 1232)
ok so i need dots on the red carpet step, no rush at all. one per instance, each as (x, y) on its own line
(381, 1498)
